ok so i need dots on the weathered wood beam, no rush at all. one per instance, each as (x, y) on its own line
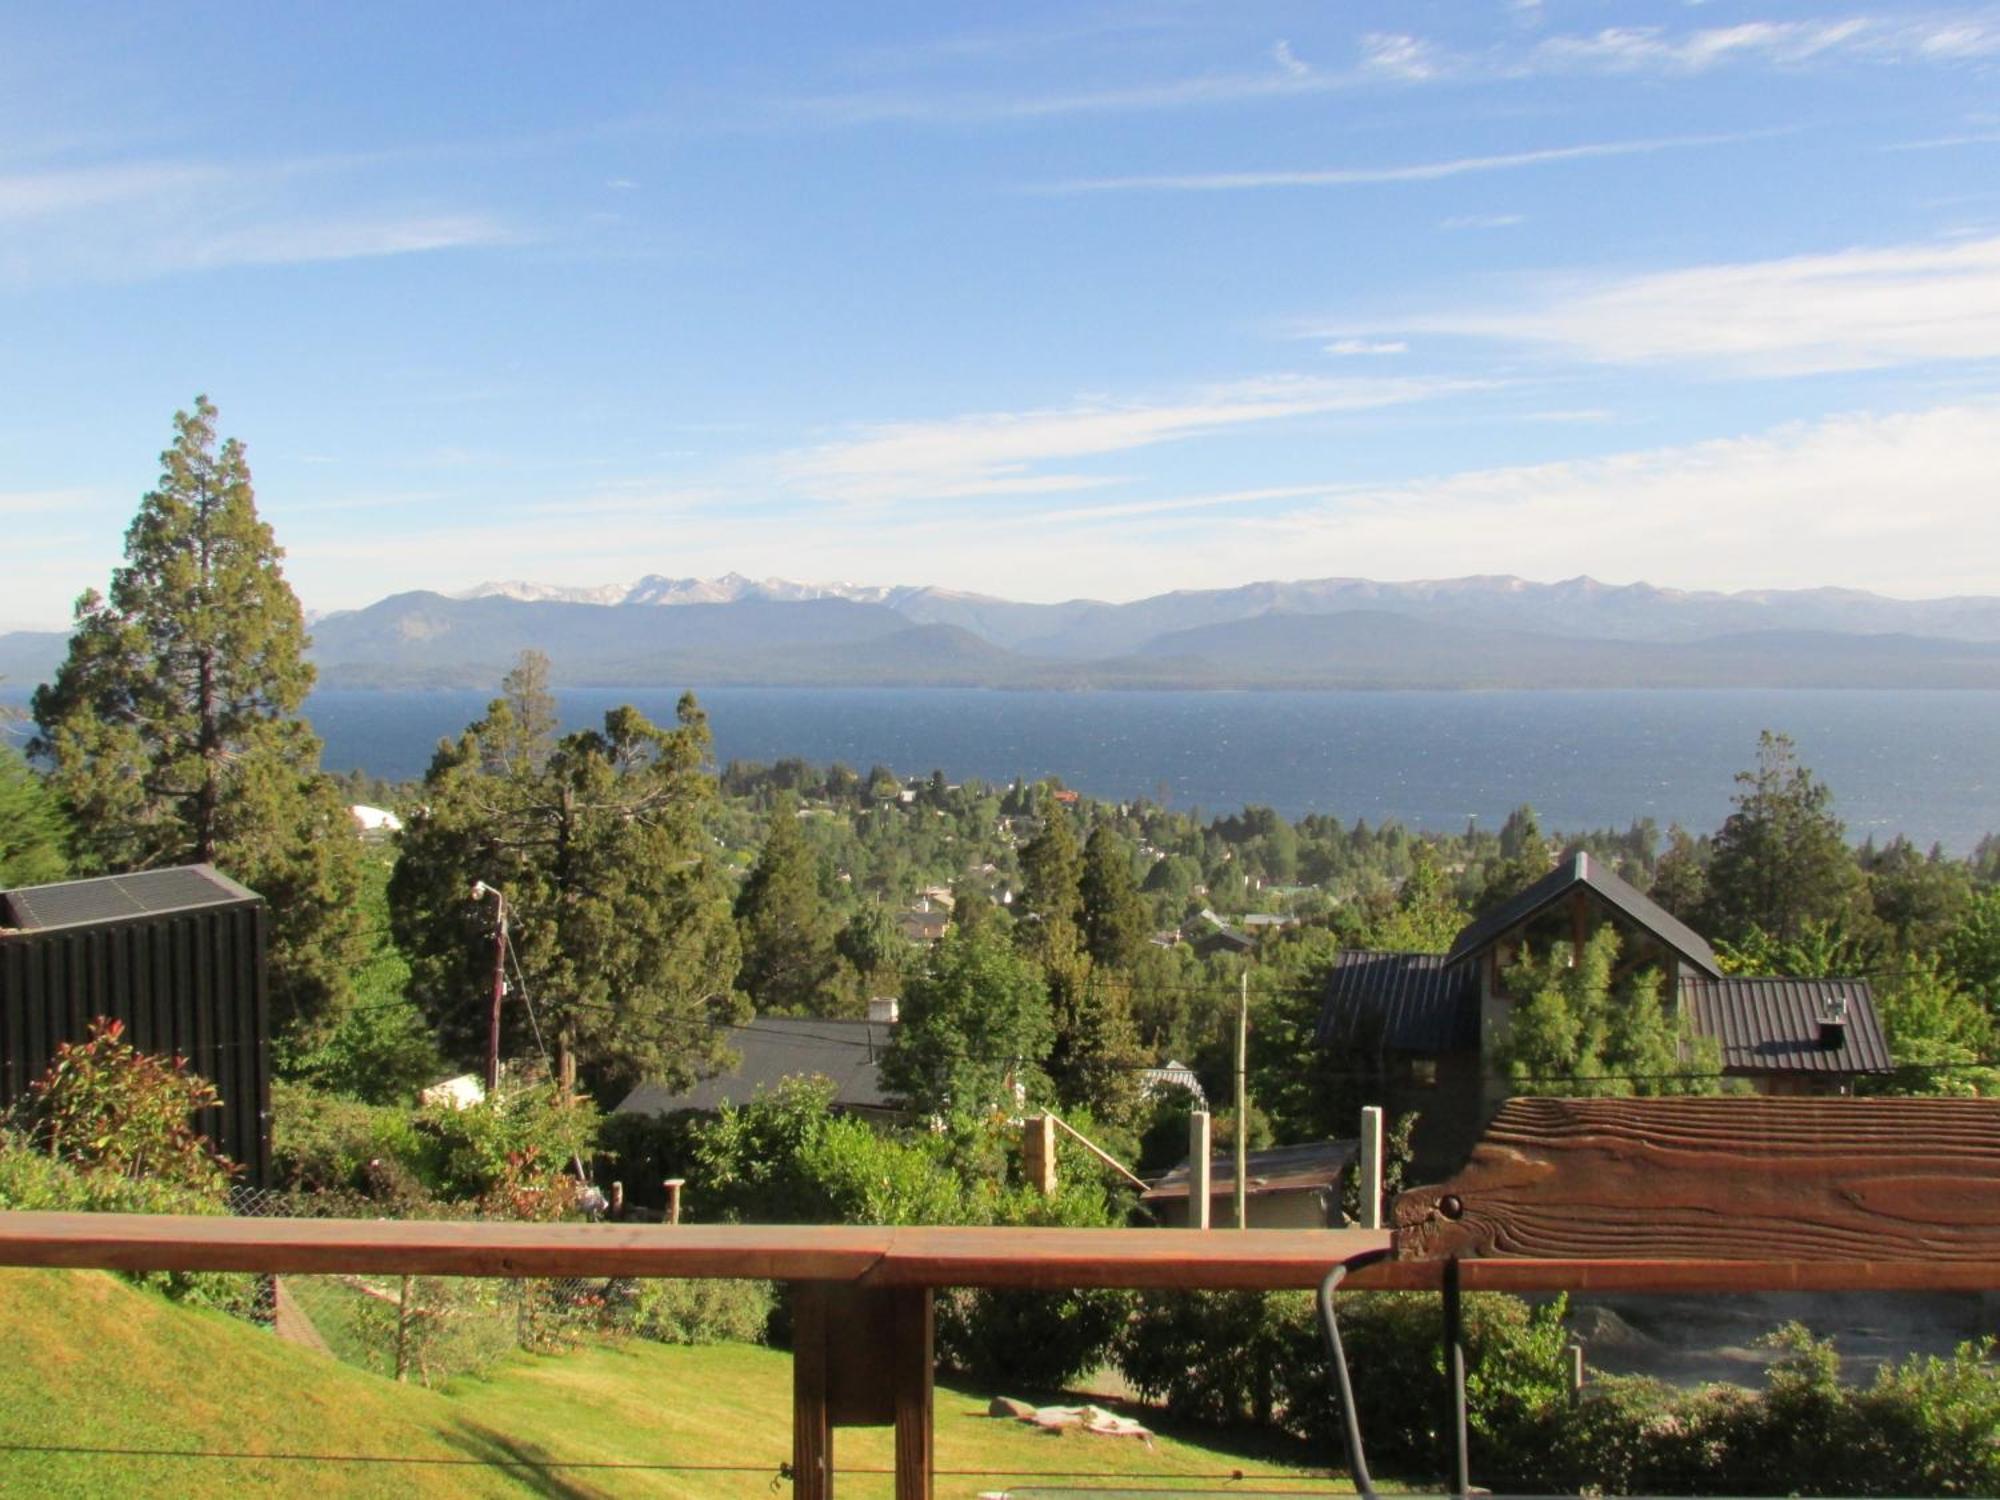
(1905, 1181)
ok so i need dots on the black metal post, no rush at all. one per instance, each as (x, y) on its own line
(1454, 1364)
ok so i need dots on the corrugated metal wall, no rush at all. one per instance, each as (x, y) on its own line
(191, 984)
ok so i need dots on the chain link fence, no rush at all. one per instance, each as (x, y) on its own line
(433, 1328)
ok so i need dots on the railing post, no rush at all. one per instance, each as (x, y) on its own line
(915, 1440)
(1371, 1167)
(812, 1421)
(1199, 1164)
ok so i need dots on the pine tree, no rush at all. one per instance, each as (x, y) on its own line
(173, 729)
(1780, 861)
(1052, 887)
(1114, 919)
(32, 832)
(783, 924)
(618, 919)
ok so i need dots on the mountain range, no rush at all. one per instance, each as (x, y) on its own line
(1479, 632)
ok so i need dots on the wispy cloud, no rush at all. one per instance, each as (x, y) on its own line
(1939, 38)
(1855, 309)
(132, 220)
(1429, 171)
(1007, 453)
(1482, 221)
(1367, 346)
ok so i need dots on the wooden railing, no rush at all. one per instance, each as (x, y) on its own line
(1670, 1195)
(862, 1295)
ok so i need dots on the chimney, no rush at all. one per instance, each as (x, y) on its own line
(882, 1009)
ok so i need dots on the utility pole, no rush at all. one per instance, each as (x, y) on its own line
(480, 891)
(1243, 1105)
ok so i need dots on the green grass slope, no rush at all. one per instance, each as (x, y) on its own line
(89, 1362)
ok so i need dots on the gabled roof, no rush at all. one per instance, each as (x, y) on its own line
(774, 1048)
(1404, 1002)
(1773, 1025)
(120, 898)
(1581, 870)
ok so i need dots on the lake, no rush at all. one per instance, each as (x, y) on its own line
(1926, 764)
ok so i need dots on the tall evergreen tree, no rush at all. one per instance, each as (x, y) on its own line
(1114, 919)
(32, 832)
(1780, 862)
(173, 730)
(1052, 887)
(784, 925)
(619, 920)
(1095, 1056)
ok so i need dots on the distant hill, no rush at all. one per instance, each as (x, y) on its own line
(1476, 632)
(28, 657)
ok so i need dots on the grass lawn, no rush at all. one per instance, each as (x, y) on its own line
(88, 1361)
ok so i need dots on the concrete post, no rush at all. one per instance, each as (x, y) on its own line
(1576, 1372)
(1370, 1167)
(1199, 1185)
(674, 1186)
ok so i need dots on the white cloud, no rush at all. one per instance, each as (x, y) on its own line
(1407, 59)
(1629, 49)
(1939, 38)
(1854, 309)
(1288, 61)
(1481, 221)
(134, 220)
(1432, 171)
(1800, 506)
(32, 195)
(1367, 346)
(1861, 500)
(1004, 453)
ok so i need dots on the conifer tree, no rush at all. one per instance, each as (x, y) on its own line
(1114, 919)
(1052, 886)
(32, 832)
(784, 925)
(173, 731)
(1780, 861)
(618, 918)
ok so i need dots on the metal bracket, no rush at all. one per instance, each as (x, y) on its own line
(1343, 1385)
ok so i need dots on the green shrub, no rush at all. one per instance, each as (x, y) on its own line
(323, 1143)
(701, 1312)
(468, 1153)
(105, 1107)
(32, 1179)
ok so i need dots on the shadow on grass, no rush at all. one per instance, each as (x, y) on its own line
(527, 1463)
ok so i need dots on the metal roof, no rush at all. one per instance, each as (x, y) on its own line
(773, 1049)
(1773, 1025)
(1412, 1001)
(1275, 1169)
(120, 898)
(1580, 869)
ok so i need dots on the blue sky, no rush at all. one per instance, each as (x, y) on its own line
(1034, 300)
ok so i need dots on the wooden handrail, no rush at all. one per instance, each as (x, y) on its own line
(868, 1256)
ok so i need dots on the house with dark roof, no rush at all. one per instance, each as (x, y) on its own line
(1430, 1025)
(772, 1049)
(1286, 1187)
(176, 955)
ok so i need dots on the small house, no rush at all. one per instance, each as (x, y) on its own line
(1431, 1025)
(1287, 1187)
